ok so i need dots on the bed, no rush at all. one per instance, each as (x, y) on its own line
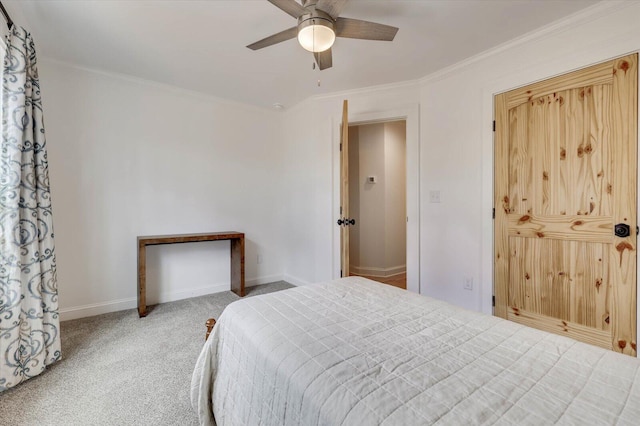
(355, 352)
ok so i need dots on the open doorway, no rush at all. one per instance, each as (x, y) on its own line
(377, 201)
(341, 213)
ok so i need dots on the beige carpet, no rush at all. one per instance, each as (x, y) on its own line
(118, 369)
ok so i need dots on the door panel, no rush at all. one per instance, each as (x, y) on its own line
(565, 175)
(564, 280)
(344, 190)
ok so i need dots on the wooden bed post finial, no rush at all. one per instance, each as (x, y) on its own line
(210, 323)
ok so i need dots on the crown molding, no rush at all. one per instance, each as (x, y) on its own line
(367, 90)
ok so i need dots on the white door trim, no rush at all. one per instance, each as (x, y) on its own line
(412, 117)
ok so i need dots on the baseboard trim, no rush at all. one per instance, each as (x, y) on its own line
(263, 280)
(295, 281)
(373, 271)
(93, 309)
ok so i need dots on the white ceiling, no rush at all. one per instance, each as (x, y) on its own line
(200, 45)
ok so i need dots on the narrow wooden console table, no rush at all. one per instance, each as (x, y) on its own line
(237, 259)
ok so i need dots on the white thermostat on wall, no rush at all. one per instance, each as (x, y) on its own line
(372, 179)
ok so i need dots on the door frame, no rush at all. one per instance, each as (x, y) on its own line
(504, 84)
(411, 115)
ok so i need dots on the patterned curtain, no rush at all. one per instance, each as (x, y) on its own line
(29, 323)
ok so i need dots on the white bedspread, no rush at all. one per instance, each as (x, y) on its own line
(355, 352)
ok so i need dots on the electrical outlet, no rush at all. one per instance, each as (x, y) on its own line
(467, 283)
(434, 196)
(259, 258)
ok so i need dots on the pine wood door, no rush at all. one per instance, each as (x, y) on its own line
(565, 176)
(344, 190)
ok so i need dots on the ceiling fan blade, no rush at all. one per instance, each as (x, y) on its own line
(324, 59)
(332, 7)
(292, 7)
(354, 28)
(274, 39)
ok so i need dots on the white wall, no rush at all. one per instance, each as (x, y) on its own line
(128, 158)
(307, 225)
(456, 154)
(395, 135)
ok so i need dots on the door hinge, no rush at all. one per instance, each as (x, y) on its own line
(494, 125)
(340, 273)
(493, 214)
(341, 147)
(493, 301)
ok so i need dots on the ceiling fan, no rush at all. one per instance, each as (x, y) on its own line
(319, 25)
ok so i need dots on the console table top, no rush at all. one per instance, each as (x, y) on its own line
(188, 238)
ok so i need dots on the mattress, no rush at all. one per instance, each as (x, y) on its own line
(356, 352)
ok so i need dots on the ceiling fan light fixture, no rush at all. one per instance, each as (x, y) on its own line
(319, 23)
(316, 34)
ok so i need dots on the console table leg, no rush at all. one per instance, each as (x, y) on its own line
(237, 266)
(142, 280)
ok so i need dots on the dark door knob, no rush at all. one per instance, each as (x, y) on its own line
(346, 222)
(622, 230)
